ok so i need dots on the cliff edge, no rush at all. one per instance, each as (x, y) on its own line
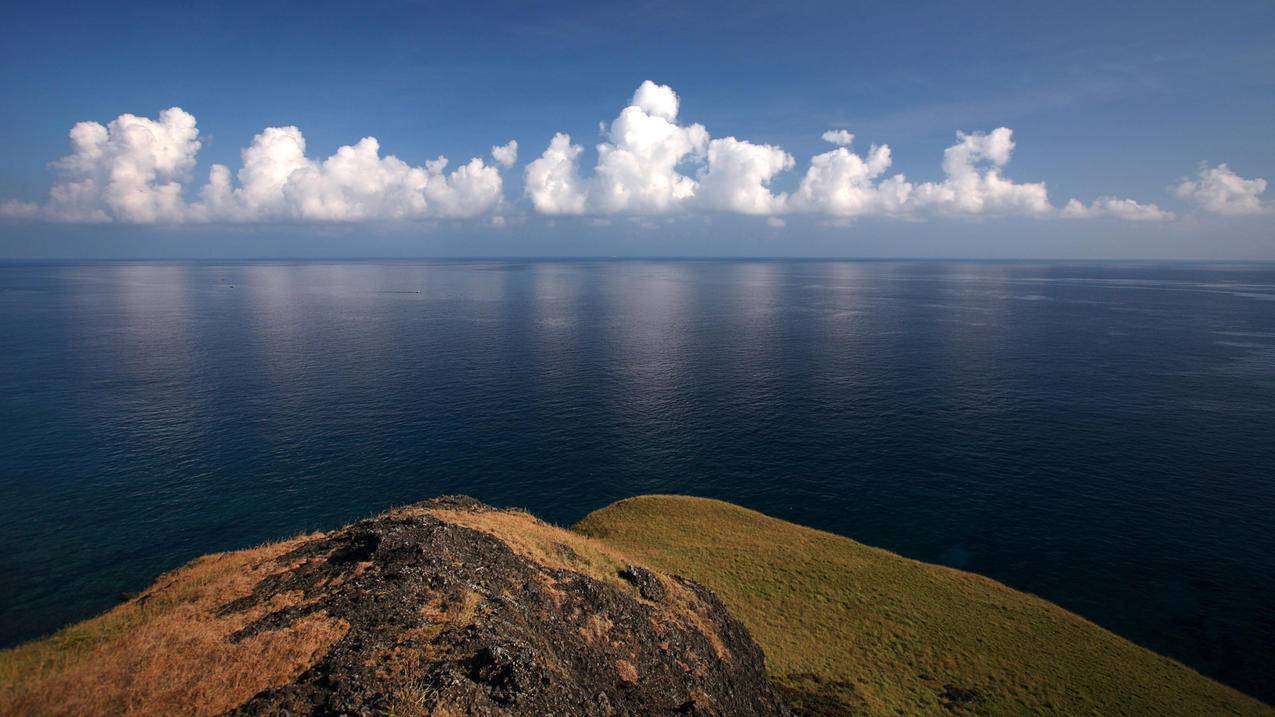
(451, 607)
(447, 607)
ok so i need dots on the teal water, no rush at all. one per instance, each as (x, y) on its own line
(1098, 434)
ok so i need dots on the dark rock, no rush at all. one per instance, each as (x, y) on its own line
(445, 619)
(647, 583)
(566, 551)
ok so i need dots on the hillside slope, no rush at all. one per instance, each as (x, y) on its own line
(850, 629)
(447, 607)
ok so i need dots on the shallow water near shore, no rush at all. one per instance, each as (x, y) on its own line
(1097, 434)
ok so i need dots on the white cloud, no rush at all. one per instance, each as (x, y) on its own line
(776, 222)
(971, 186)
(138, 170)
(268, 164)
(14, 209)
(645, 168)
(738, 174)
(838, 137)
(134, 169)
(131, 170)
(279, 182)
(656, 100)
(841, 183)
(1117, 208)
(505, 154)
(637, 168)
(553, 182)
(1221, 191)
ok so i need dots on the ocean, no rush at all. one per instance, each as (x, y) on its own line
(1099, 434)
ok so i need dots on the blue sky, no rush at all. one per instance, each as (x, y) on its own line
(1104, 100)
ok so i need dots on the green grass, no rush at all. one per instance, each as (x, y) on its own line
(851, 629)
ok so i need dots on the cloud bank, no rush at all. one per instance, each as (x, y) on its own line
(652, 164)
(278, 182)
(648, 163)
(135, 170)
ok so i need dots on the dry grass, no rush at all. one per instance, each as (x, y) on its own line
(167, 652)
(557, 547)
(626, 671)
(596, 629)
(854, 629)
(846, 628)
(543, 543)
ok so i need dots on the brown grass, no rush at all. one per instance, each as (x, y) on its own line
(167, 652)
(626, 671)
(596, 629)
(543, 543)
(847, 628)
(557, 547)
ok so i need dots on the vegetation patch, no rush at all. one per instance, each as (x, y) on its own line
(448, 607)
(851, 629)
(169, 650)
(454, 607)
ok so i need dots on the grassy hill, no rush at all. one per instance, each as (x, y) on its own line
(452, 605)
(851, 629)
(438, 609)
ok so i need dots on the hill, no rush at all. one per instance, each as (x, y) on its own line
(447, 607)
(451, 607)
(851, 629)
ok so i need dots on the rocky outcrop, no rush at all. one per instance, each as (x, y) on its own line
(452, 612)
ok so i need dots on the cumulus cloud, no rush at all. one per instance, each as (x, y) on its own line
(1117, 208)
(645, 167)
(838, 137)
(135, 169)
(637, 167)
(973, 183)
(648, 162)
(505, 154)
(131, 169)
(553, 181)
(841, 183)
(637, 170)
(737, 177)
(656, 100)
(278, 182)
(1221, 191)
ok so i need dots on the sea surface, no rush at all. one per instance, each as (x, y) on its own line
(1102, 435)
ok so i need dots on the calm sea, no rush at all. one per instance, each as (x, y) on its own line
(1102, 435)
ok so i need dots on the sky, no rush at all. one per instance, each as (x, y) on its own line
(1134, 130)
